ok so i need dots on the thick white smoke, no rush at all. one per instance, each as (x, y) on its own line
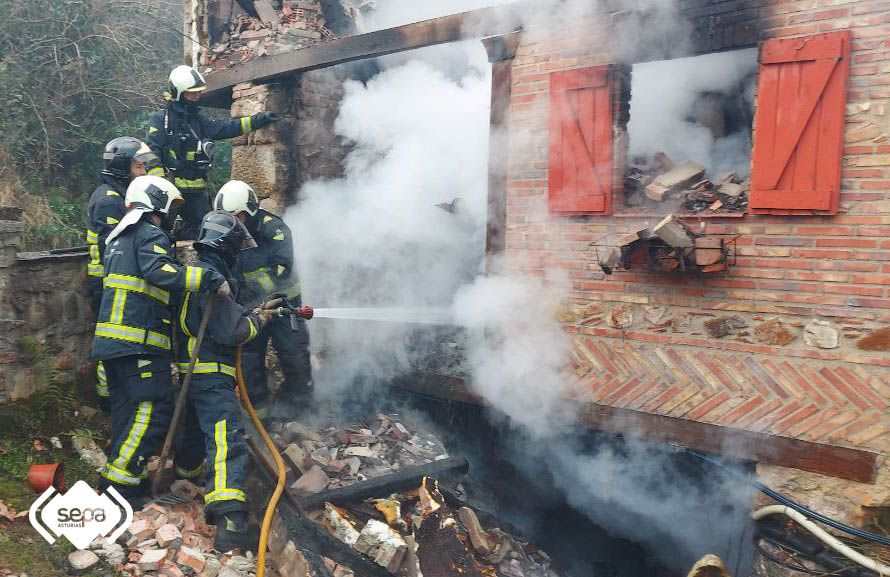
(375, 238)
(665, 100)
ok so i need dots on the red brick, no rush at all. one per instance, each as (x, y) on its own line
(850, 289)
(851, 242)
(882, 279)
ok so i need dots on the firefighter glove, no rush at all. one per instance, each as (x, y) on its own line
(224, 290)
(264, 118)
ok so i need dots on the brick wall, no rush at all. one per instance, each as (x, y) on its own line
(279, 159)
(795, 269)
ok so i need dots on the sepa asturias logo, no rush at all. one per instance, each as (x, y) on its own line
(80, 514)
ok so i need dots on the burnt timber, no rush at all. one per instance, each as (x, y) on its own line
(475, 24)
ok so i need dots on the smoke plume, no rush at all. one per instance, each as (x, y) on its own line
(376, 238)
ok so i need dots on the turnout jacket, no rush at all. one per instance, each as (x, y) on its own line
(269, 268)
(227, 327)
(140, 271)
(173, 134)
(105, 209)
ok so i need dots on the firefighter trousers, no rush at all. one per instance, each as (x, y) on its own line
(94, 286)
(292, 348)
(196, 203)
(211, 442)
(141, 395)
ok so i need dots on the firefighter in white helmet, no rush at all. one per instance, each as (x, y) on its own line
(267, 270)
(183, 138)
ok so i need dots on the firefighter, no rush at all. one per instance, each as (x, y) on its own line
(184, 140)
(266, 270)
(212, 428)
(133, 335)
(123, 159)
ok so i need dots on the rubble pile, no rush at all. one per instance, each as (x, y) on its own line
(295, 25)
(426, 529)
(419, 533)
(341, 456)
(167, 540)
(658, 181)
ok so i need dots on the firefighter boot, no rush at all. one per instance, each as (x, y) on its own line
(233, 532)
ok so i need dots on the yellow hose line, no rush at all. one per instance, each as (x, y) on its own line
(279, 463)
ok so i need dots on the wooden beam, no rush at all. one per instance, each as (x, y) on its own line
(501, 50)
(465, 26)
(404, 479)
(842, 462)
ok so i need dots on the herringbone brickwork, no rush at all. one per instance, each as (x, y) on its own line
(838, 403)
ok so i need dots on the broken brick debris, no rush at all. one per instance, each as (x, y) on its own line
(411, 532)
(655, 181)
(294, 26)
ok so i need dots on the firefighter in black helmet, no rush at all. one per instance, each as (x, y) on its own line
(184, 138)
(123, 159)
(212, 440)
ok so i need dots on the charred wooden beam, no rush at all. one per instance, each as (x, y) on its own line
(401, 480)
(842, 462)
(312, 539)
(482, 23)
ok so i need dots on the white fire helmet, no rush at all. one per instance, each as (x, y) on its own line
(185, 79)
(152, 194)
(236, 196)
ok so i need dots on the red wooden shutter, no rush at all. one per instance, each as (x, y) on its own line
(580, 141)
(799, 124)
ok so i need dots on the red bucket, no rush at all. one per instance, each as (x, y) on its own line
(41, 477)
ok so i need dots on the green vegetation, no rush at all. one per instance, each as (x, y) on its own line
(27, 428)
(75, 74)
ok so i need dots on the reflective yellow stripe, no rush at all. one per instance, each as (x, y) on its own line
(117, 307)
(190, 474)
(92, 237)
(110, 220)
(266, 219)
(118, 476)
(278, 235)
(219, 462)
(101, 381)
(125, 282)
(182, 315)
(262, 278)
(208, 368)
(156, 171)
(224, 495)
(186, 183)
(246, 124)
(132, 334)
(145, 375)
(94, 267)
(193, 278)
(112, 193)
(159, 249)
(253, 331)
(134, 437)
(190, 155)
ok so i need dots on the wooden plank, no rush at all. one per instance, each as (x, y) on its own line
(404, 479)
(482, 23)
(842, 462)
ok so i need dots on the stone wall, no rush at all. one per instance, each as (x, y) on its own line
(643, 340)
(302, 146)
(46, 323)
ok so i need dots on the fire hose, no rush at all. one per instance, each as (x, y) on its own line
(294, 312)
(823, 536)
(805, 518)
